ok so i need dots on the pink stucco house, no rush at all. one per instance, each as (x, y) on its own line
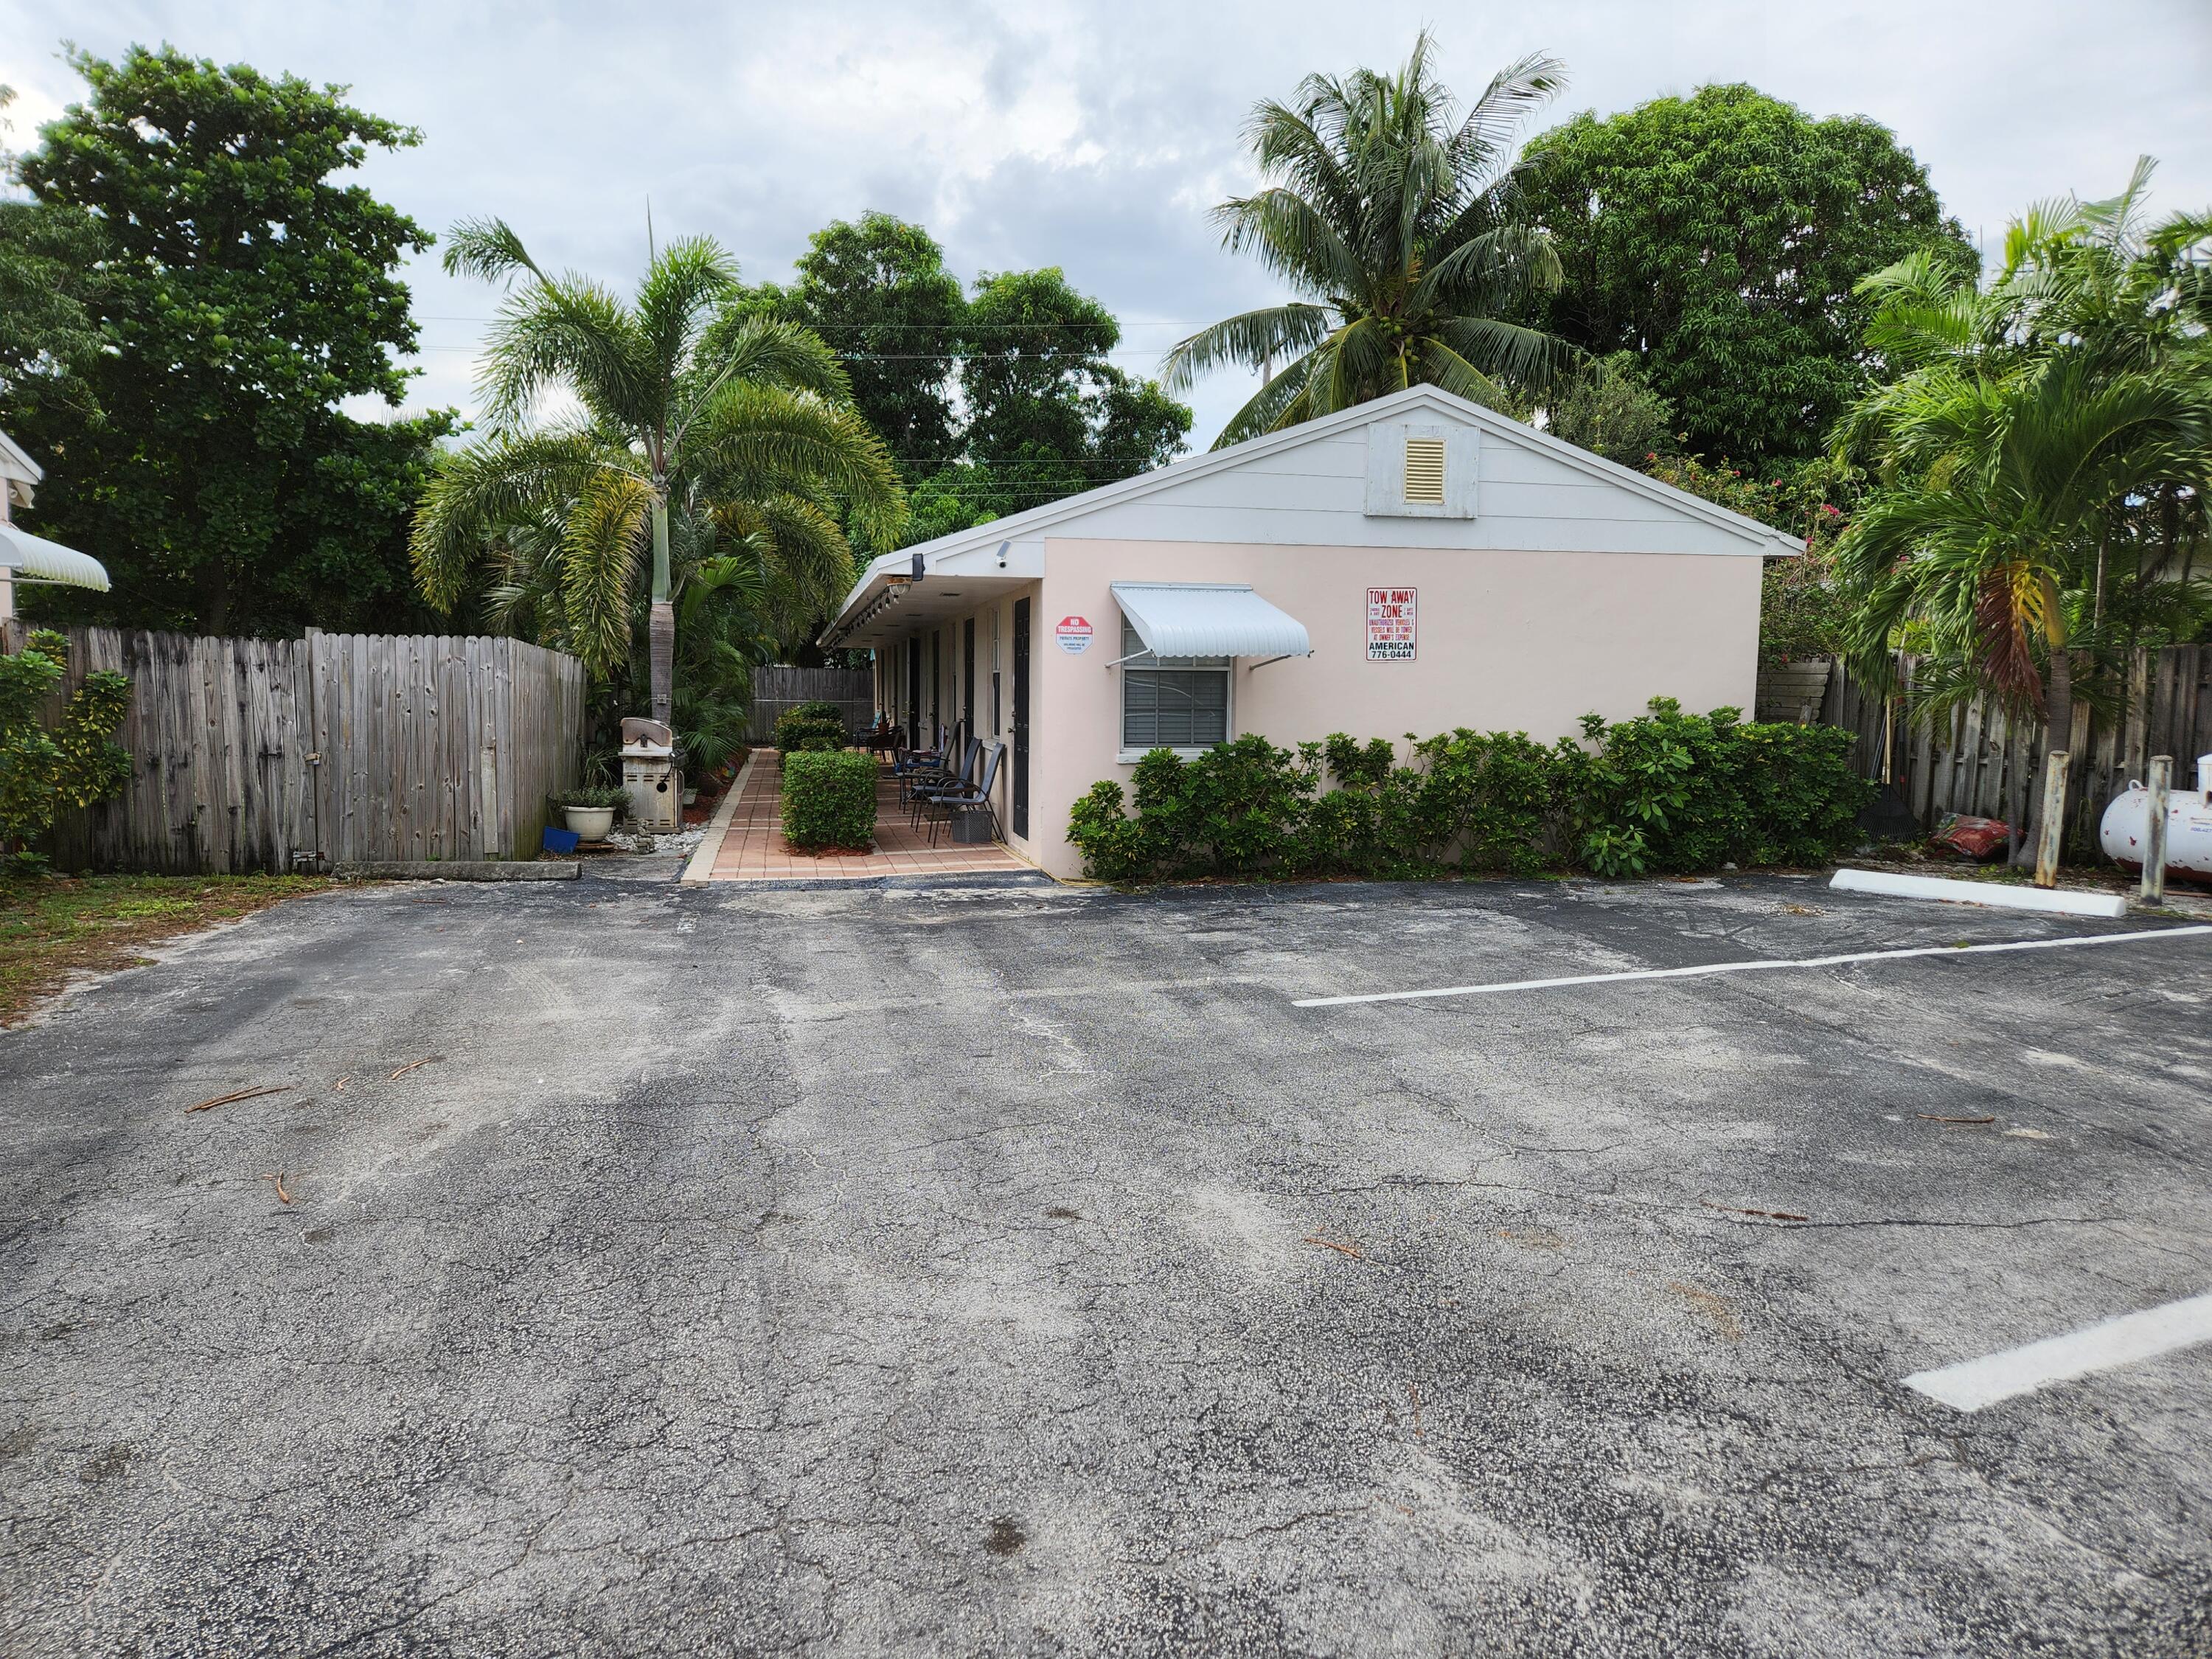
(1414, 564)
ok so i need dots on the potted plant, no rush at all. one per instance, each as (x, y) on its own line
(591, 810)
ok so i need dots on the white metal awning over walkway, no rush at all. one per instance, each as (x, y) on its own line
(27, 557)
(1209, 619)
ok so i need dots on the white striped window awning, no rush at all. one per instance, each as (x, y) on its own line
(34, 558)
(1209, 619)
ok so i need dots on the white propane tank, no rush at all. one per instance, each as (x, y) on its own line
(2188, 825)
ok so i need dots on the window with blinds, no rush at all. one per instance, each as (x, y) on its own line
(1172, 702)
(1425, 470)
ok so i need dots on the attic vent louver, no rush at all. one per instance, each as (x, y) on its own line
(1425, 470)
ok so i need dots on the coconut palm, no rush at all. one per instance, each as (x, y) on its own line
(1388, 215)
(2040, 458)
(601, 414)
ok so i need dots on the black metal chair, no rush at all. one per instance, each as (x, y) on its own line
(969, 797)
(924, 762)
(932, 769)
(945, 777)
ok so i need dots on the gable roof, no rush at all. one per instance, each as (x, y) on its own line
(1761, 538)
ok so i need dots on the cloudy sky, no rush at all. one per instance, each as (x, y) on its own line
(1095, 135)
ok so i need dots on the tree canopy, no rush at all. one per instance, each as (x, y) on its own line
(876, 290)
(1720, 237)
(239, 294)
(49, 258)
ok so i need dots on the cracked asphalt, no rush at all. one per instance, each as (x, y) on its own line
(1017, 1271)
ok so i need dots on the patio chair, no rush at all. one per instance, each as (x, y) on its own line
(946, 778)
(917, 763)
(968, 797)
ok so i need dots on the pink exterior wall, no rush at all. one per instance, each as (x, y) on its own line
(1515, 642)
(1526, 641)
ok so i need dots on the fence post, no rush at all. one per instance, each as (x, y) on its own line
(2153, 864)
(2052, 830)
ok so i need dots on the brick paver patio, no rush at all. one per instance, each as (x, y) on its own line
(753, 847)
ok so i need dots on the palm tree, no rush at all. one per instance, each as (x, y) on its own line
(1987, 540)
(676, 397)
(1389, 216)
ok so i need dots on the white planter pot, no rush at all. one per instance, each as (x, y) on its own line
(591, 823)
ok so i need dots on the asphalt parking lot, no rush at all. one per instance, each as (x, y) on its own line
(1023, 1270)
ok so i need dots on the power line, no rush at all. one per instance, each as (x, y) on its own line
(885, 328)
(867, 356)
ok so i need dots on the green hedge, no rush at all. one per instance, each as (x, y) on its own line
(804, 728)
(829, 800)
(1666, 791)
(820, 708)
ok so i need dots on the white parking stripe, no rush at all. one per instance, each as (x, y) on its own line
(1756, 967)
(1973, 1383)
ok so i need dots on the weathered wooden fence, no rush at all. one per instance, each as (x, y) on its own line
(1983, 762)
(777, 691)
(276, 755)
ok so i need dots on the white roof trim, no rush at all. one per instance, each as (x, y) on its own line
(1209, 619)
(1017, 525)
(15, 464)
(22, 554)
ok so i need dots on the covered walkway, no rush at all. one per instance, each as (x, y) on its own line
(752, 846)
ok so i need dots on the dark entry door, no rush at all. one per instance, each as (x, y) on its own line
(913, 692)
(1022, 718)
(967, 674)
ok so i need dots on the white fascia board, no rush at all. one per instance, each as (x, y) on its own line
(1025, 560)
(1767, 541)
(17, 465)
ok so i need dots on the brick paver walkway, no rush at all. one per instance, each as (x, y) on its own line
(754, 848)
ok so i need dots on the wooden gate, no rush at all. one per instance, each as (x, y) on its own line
(429, 747)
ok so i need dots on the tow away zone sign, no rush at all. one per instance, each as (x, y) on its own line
(1390, 631)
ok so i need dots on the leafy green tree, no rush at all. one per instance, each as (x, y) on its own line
(241, 293)
(49, 258)
(1720, 237)
(878, 292)
(1049, 413)
(685, 399)
(1607, 408)
(1392, 216)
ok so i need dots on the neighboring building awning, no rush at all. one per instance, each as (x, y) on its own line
(1209, 619)
(34, 558)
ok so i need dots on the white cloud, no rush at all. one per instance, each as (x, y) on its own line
(1093, 136)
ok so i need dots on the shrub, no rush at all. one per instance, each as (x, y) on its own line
(798, 732)
(1665, 791)
(828, 798)
(75, 765)
(1676, 791)
(821, 709)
